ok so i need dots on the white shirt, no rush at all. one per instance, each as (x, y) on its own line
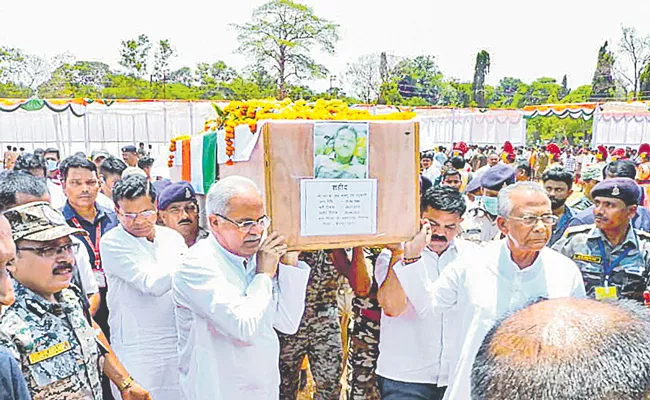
(143, 328)
(433, 172)
(105, 201)
(88, 281)
(486, 286)
(420, 349)
(225, 313)
(57, 197)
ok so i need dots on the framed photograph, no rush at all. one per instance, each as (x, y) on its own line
(341, 150)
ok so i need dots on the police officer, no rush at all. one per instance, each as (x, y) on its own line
(319, 334)
(178, 209)
(614, 258)
(479, 224)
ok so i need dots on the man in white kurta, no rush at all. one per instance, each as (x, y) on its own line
(140, 260)
(504, 276)
(230, 294)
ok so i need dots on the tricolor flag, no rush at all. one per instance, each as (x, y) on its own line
(197, 158)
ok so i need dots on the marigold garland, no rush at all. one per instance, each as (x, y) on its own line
(238, 113)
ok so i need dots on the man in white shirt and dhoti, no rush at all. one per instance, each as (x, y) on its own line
(233, 289)
(504, 276)
(140, 259)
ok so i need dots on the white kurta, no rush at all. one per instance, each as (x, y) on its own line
(485, 286)
(143, 329)
(57, 197)
(225, 313)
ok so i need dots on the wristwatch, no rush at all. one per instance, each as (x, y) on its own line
(127, 383)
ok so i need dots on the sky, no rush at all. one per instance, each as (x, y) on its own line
(525, 39)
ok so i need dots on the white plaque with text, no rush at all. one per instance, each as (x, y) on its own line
(332, 207)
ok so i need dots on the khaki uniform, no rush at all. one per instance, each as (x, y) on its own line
(55, 344)
(630, 276)
(319, 334)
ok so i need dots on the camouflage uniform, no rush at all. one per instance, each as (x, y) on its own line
(55, 345)
(364, 342)
(319, 334)
(630, 276)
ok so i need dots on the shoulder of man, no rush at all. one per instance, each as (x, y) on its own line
(642, 235)
(577, 229)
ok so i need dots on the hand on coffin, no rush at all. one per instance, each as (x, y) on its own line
(413, 249)
(269, 254)
(290, 258)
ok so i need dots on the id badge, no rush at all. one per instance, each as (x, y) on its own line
(100, 277)
(606, 292)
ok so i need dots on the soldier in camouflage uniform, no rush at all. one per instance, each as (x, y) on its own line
(47, 329)
(614, 258)
(319, 334)
(364, 331)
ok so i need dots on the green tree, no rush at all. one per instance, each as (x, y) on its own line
(565, 87)
(183, 75)
(164, 53)
(419, 79)
(481, 69)
(282, 34)
(602, 85)
(581, 94)
(134, 56)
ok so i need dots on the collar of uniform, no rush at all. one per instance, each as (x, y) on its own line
(630, 237)
(233, 258)
(32, 301)
(69, 213)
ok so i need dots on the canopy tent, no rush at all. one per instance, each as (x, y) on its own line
(84, 125)
(444, 126)
(622, 124)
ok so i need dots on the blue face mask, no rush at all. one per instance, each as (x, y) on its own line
(490, 204)
(52, 165)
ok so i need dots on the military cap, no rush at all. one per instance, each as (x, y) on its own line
(178, 191)
(129, 149)
(427, 155)
(39, 222)
(624, 189)
(472, 185)
(593, 172)
(98, 153)
(497, 177)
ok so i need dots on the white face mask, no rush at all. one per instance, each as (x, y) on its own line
(490, 204)
(52, 165)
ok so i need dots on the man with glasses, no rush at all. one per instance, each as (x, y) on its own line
(140, 259)
(415, 352)
(613, 256)
(233, 289)
(481, 287)
(179, 210)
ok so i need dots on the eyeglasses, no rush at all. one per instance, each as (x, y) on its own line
(531, 220)
(50, 252)
(190, 209)
(143, 214)
(263, 222)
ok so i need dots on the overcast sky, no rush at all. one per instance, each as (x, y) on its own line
(525, 39)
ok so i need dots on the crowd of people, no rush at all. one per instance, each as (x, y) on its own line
(528, 279)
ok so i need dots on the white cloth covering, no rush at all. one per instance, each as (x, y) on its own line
(57, 197)
(226, 314)
(143, 329)
(485, 286)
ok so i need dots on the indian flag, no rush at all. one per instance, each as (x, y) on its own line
(198, 161)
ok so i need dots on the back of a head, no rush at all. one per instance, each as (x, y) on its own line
(112, 166)
(13, 183)
(145, 162)
(566, 349)
(29, 162)
(458, 162)
(621, 169)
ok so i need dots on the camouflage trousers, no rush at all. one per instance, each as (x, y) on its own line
(362, 359)
(319, 337)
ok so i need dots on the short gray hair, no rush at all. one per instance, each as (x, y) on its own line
(505, 202)
(224, 190)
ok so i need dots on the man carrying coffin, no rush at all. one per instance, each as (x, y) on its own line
(232, 290)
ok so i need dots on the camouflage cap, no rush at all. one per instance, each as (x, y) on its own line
(39, 222)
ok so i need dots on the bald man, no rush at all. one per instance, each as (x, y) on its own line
(11, 378)
(566, 349)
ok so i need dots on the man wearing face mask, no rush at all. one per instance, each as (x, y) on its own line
(480, 224)
(52, 158)
(613, 256)
(416, 352)
(558, 184)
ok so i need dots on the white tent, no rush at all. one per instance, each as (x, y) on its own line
(621, 124)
